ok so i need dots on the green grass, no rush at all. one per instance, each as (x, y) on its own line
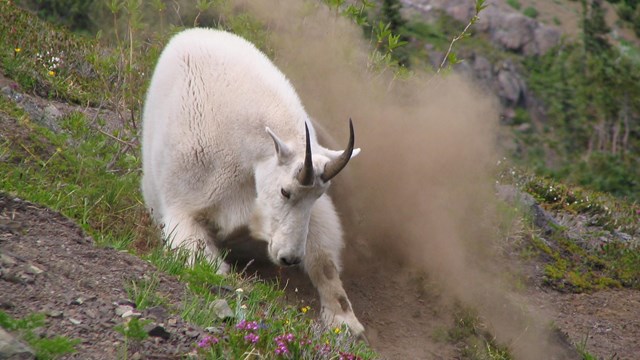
(92, 177)
(514, 4)
(590, 264)
(45, 348)
(472, 338)
(89, 177)
(144, 293)
(531, 12)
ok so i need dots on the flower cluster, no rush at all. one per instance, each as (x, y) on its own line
(208, 341)
(348, 356)
(250, 327)
(252, 338)
(324, 349)
(281, 343)
(50, 62)
(247, 325)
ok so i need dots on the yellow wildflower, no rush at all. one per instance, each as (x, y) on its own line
(17, 50)
(337, 330)
(305, 309)
(52, 73)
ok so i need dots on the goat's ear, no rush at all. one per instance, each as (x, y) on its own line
(282, 150)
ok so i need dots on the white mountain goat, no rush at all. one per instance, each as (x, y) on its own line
(227, 145)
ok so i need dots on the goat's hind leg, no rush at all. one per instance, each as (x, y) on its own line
(182, 231)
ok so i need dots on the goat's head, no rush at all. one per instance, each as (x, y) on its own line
(287, 186)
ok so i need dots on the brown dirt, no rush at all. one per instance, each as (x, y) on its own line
(80, 283)
(401, 311)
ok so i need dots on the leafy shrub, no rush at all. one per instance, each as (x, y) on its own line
(530, 12)
(514, 4)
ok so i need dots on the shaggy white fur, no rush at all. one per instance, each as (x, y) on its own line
(223, 142)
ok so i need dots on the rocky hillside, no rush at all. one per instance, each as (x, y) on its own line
(553, 268)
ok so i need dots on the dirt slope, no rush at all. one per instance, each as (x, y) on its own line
(83, 283)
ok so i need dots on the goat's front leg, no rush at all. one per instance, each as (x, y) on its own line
(321, 263)
(335, 305)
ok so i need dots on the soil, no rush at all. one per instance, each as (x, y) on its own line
(80, 286)
(49, 266)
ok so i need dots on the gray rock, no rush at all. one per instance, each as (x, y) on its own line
(32, 269)
(511, 87)
(192, 333)
(12, 348)
(545, 38)
(50, 116)
(131, 313)
(6, 260)
(54, 314)
(482, 68)
(157, 312)
(541, 218)
(514, 31)
(222, 309)
(122, 309)
(156, 330)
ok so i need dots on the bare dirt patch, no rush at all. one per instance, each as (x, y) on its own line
(49, 266)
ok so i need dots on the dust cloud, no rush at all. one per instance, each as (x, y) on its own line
(421, 192)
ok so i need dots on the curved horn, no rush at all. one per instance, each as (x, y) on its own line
(333, 167)
(305, 175)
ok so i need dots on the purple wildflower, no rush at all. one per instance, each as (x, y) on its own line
(348, 356)
(247, 325)
(324, 349)
(252, 338)
(208, 341)
(282, 349)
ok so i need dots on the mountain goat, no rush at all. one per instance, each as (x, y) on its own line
(226, 146)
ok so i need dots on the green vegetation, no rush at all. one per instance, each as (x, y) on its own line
(92, 174)
(45, 348)
(472, 337)
(514, 4)
(531, 12)
(629, 11)
(590, 90)
(590, 256)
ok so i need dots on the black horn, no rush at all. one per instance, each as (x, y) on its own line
(305, 175)
(332, 168)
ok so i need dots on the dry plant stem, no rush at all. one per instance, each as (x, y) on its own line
(453, 41)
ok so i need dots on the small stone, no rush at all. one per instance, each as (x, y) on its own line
(121, 309)
(222, 309)
(12, 348)
(157, 312)
(131, 313)
(156, 330)
(214, 330)
(75, 321)
(78, 301)
(26, 278)
(125, 302)
(192, 334)
(54, 314)
(32, 269)
(172, 322)
(6, 260)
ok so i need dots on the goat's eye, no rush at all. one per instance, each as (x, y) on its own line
(285, 193)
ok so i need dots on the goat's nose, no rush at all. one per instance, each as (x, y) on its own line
(290, 260)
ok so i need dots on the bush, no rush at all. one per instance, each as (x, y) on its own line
(531, 12)
(514, 4)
